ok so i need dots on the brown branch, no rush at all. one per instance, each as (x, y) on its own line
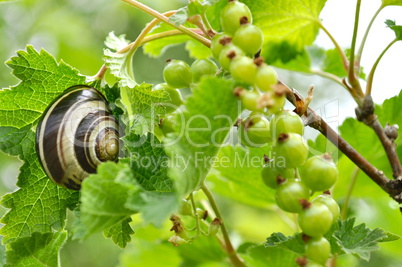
(392, 187)
(365, 114)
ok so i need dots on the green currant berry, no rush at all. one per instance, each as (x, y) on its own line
(315, 219)
(249, 38)
(177, 74)
(286, 122)
(292, 148)
(249, 99)
(255, 132)
(243, 69)
(185, 207)
(232, 15)
(330, 203)
(319, 173)
(219, 41)
(214, 226)
(168, 124)
(289, 194)
(174, 101)
(273, 101)
(266, 77)
(228, 53)
(203, 67)
(272, 176)
(318, 249)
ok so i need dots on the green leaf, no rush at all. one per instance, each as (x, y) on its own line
(159, 46)
(116, 43)
(147, 253)
(291, 243)
(391, 3)
(119, 65)
(103, 197)
(204, 249)
(288, 26)
(358, 240)
(155, 207)
(260, 256)
(396, 28)
(39, 205)
(2, 252)
(333, 63)
(192, 9)
(200, 132)
(146, 107)
(236, 174)
(36, 250)
(42, 79)
(120, 233)
(148, 162)
(197, 50)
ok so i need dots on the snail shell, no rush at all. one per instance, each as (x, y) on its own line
(75, 134)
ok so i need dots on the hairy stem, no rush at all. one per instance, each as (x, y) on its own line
(163, 18)
(234, 257)
(373, 69)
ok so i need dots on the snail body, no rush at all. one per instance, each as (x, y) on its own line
(75, 134)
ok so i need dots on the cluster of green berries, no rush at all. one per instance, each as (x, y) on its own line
(177, 74)
(236, 49)
(187, 213)
(295, 177)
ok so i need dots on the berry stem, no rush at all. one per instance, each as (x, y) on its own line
(352, 184)
(197, 218)
(360, 51)
(352, 78)
(373, 69)
(234, 257)
(165, 19)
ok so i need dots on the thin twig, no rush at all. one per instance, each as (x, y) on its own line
(234, 257)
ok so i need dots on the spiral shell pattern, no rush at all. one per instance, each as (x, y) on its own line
(75, 134)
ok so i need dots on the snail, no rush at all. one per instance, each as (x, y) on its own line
(75, 134)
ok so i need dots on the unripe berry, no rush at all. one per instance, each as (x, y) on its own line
(272, 176)
(232, 15)
(292, 148)
(286, 122)
(249, 99)
(203, 67)
(243, 69)
(228, 53)
(255, 132)
(218, 42)
(177, 74)
(249, 38)
(174, 101)
(318, 249)
(289, 194)
(330, 203)
(319, 173)
(266, 77)
(315, 219)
